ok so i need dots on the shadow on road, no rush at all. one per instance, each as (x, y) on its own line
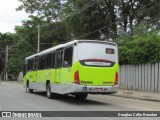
(72, 100)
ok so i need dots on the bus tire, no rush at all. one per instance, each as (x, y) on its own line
(28, 90)
(81, 96)
(50, 95)
(48, 91)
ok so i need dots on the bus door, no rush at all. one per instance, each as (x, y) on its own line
(67, 65)
(59, 59)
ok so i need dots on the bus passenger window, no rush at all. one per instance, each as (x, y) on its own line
(34, 66)
(27, 65)
(68, 53)
(36, 63)
(49, 61)
(59, 55)
(30, 65)
(43, 62)
(53, 60)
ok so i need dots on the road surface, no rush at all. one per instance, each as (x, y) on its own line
(14, 98)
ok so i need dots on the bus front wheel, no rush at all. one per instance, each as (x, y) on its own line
(81, 96)
(28, 90)
(49, 94)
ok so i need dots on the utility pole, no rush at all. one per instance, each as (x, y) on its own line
(6, 65)
(38, 38)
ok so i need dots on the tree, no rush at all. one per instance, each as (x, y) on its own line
(133, 12)
(48, 10)
(88, 17)
(142, 47)
(5, 39)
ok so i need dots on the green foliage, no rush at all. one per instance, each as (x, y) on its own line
(140, 49)
(44, 9)
(5, 39)
(89, 16)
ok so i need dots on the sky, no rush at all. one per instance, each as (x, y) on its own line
(9, 17)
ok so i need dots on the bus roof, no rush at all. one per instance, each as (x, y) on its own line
(65, 45)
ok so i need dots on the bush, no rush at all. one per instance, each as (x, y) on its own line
(139, 49)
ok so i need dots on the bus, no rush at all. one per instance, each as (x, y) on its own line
(78, 67)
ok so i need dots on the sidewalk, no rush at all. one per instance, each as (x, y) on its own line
(140, 95)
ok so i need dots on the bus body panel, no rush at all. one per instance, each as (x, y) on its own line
(104, 76)
(44, 75)
(66, 75)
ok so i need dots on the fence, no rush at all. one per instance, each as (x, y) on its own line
(144, 77)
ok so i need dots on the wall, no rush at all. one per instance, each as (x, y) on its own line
(144, 77)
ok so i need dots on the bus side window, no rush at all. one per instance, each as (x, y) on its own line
(30, 64)
(26, 66)
(24, 69)
(36, 63)
(43, 62)
(39, 63)
(49, 60)
(68, 54)
(53, 60)
(59, 55)
(40, 66)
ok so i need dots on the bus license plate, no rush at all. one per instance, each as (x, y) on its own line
(98, 89)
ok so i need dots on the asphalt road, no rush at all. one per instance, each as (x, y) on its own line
(14, 98)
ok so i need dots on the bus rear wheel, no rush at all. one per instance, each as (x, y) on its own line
(50, 95)
(81, 96)
(28, 90)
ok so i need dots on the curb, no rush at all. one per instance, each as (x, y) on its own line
(137, 98)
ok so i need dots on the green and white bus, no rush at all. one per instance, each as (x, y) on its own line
(79, 67)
